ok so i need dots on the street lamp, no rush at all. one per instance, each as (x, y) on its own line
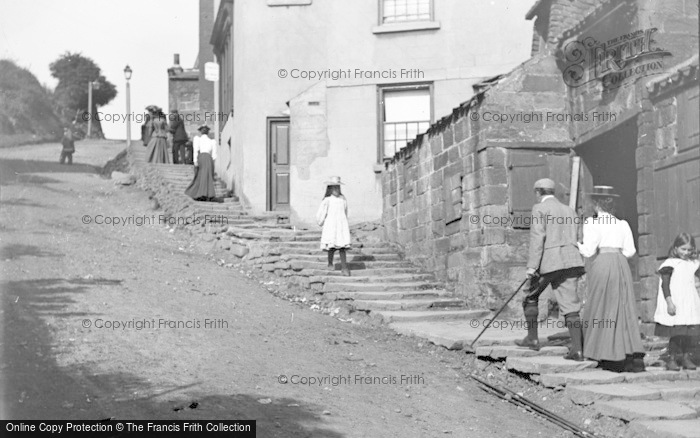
(127, 75)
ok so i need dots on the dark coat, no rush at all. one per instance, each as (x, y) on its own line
(146, 129)
(68, 143)
(177, 129)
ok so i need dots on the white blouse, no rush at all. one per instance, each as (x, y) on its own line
(202, 144)
(606, 231)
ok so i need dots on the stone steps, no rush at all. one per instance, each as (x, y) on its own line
(405, 304)
(362, 277)
(424, 316)
(655, 402)
(312, 248)
(368, 272)
(374, 286)
(354, 256)
(383, 296)
(352, 265)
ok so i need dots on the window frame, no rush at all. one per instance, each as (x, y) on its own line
(381, 22)
(381, 90)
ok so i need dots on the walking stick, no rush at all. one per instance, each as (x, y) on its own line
(470, 348)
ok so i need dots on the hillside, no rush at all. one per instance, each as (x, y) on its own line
(26, 112)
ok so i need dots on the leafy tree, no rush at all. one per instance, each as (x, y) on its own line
(74, 72)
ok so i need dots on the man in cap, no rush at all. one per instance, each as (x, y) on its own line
(177, 129)
(553, 260)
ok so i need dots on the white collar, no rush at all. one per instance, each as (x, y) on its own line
(545, 197)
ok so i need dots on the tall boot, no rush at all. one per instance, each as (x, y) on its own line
(532, 340)
(344, 263)
(331, 252)
(674, 349)
(573, 323)
(686, 345)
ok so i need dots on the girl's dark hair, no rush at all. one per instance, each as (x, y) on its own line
(329, 190)
(607, 204)
(683, 239)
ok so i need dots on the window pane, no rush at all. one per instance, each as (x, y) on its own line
(407, 105)
(406, 114)
(405, 10)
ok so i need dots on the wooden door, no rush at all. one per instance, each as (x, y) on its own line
(278, 164)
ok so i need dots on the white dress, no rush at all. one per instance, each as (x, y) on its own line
(683, 294)
(333, 217)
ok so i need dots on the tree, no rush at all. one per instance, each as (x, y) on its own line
(74, 73)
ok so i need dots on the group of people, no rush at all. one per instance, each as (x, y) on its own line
(608, 331)
(200, 151)
(154, 135)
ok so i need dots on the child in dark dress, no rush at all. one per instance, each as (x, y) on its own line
(68, 147)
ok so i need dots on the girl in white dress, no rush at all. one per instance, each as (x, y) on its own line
(333, 217)
(678, 304)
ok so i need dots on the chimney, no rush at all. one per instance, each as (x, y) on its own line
(176, 68)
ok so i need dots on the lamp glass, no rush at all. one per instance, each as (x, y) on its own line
(127, 72)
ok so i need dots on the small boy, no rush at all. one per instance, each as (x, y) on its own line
(68, 146)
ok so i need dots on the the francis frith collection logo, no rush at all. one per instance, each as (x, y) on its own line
(614, 62)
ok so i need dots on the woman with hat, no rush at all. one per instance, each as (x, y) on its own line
(611, 331)
(157, 149)
(204, 153)
(333, 217)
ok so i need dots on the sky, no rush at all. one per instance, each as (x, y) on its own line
(141, 33)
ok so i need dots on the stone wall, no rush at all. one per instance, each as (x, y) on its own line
(666, 149)
(183, 93)
(450, 196)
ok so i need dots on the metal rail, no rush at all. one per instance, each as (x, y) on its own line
(518, 400)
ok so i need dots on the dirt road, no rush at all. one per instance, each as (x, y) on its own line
(135, 321)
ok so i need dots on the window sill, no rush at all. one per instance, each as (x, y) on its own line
(288, 2)
(406, 27)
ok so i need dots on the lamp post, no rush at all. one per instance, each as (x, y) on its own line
(127, 75)
(90, 115)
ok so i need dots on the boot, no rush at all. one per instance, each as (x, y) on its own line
(672, 365)
(573, 323)
(638, 363)
(687, 347)
(532, 340)
(686, 363)
(344, 263)
(674, 350)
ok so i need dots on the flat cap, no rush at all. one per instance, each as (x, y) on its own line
(544, 183)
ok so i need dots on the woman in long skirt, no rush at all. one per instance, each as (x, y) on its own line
(157, 149)
(204, 150)
(611, 330)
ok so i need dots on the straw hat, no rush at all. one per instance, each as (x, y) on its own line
(203, 127)
(603, 192)
(334, 181)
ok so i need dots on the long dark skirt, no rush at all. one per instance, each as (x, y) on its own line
(157, 150)
(610, 325)
(202, 186)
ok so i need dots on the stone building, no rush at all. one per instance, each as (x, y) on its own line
(188, 91)
(316, 88)
(609, 97)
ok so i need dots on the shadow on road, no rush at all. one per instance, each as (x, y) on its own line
(21, 171)
(35, 386)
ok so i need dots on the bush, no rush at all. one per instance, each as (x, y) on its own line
(26, 113)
